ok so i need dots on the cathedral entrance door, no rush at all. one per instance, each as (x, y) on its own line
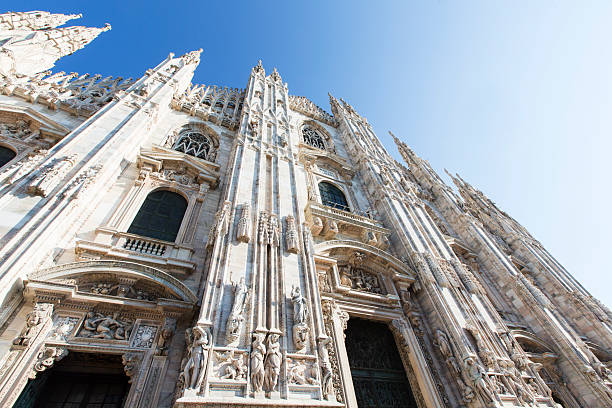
(378, 374)
(80, 380)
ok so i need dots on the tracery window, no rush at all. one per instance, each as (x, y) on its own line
(193, 143)
(6, 155)
(160, 216)
(332, 196)
(313, 138)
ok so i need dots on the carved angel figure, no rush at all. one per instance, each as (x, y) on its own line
(196, 364)
(272, 362)
(258, 352)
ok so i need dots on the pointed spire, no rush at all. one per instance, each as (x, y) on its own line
(192, 57)
(276, 76)
(26, 56)
(259, 68)
(34, 20)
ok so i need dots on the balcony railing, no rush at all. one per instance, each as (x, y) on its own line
(116, 244)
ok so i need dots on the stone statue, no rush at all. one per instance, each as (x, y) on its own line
(258, 351)
(196, 364)
(326, 368)
(236, 316)
(476, 376)
(272, 363)
(243, 231)
(300, 318)
(300, 308)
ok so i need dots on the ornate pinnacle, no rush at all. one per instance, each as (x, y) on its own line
(34, 20)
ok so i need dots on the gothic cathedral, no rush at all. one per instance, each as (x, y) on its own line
(169, 244)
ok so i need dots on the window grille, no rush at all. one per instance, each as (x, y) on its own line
(313, 138)
(194, 144)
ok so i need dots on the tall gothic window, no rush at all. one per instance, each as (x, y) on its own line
(6, 155)
(194, 143)
(313, 138)
(332, 196)
(160, 216)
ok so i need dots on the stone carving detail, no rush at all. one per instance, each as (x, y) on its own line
(300, 319)
(272, 363)
(179, 176)
(231, 365)
(291, 237)
(80, 94)
(485, 354)
(63, 328)
(165, 336)
(220, 224)
(193, 372)
(243, 231)
(360, 279)
(301, 372)
(475, 376)
(145, 336)
(46, 358)
(19, 130)
(445, 348)
(236, 316)
(131, 363)
(108, 327)
(317, 225)
(82, 182)
(34, 322)
(307, 107)
(326, 368)
(258, 353)
(51, 175)
(26, 166)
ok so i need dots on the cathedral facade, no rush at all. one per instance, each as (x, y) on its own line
(169, 244)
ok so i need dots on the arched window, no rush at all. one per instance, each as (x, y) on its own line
(313, 138)
(6, 155)
(332, 196)
(193, 143)
(160, 216)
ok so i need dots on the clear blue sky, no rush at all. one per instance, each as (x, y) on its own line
(516, 96)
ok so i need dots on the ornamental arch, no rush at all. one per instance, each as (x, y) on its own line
(362, 285)
(122, 311)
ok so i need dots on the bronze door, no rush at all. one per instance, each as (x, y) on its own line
(376, 367)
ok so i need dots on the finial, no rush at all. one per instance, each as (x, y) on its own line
(106, 27)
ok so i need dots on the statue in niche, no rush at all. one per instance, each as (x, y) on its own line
(300, 308)
(197, 339)
(272, 362)
(300, 317)
(258, 352)
(236, 317)
(243, 231)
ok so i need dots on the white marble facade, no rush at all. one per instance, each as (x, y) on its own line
(295, 221)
